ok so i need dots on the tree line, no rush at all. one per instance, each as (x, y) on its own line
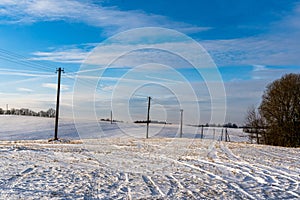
(277, 120)
(27, 112)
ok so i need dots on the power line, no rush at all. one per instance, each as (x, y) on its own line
(24, 58)
(20, 59)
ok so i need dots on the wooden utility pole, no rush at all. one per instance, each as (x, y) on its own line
(222, 135)
(181, 121)
(148, 117)
(202, 126)
(111, 117)
(59, 70)
(227, 136)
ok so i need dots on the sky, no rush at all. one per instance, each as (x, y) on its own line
(243, 46)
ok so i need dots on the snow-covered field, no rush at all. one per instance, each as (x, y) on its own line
(120, 164)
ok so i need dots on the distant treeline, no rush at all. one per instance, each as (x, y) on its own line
(151, 121)
(228, 125)
(27, 112)
(108, 120)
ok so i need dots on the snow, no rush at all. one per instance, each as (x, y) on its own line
(118, 163)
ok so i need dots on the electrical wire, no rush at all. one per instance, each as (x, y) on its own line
(22, 60)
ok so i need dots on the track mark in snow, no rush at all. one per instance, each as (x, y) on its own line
(152, 186)
(215, 176)
(175, 183)
(211, 175)
(26, 171)
(16, 179)
(280, 174)
(174, 186)
(264, 175)
(128, 188)
(275, 155)
(228, 152)
(238, 188)
(212, 151)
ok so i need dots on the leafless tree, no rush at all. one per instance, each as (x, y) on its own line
(277, 119)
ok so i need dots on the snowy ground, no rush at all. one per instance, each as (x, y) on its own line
(123, 165)
(36, 128)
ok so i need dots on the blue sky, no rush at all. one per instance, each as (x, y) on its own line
(251, 42)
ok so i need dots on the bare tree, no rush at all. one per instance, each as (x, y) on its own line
(281, 108)
(255, 125)
(277, 119)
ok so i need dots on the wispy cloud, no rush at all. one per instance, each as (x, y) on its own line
(126, 50)
(262, 50)
(258, 68)
(54, 86)
(110, 18)
(278, 46)
(24, 89)
(26, 73)
(67, 56)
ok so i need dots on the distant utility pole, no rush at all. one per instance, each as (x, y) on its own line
(148, 117)
(181, 121)
(6, 108)
(227, 138)
(222, 135)
(59, 70)
(201, 136)
(111, 117)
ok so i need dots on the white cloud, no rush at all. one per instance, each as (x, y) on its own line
(67, 56)
(131, 49)
(257, 68)
(54, 86)
(107, 88)
(24, 89)
(278, 46)
(26, 73)
(110, 18)
(262, 50)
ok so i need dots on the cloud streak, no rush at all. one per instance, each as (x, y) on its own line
(54, 86)
(109, 18)
(277, 47)
(24, 89)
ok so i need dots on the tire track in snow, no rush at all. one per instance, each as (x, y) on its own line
(228, 152)
(128, 187)
(175, 183)
(215, 176)
(16, 179)
(155, 190)
(272, 154)
(221, 165)
(243, 167)
(211, 153)
(265, 172)
(274, 171)
(293, 186)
